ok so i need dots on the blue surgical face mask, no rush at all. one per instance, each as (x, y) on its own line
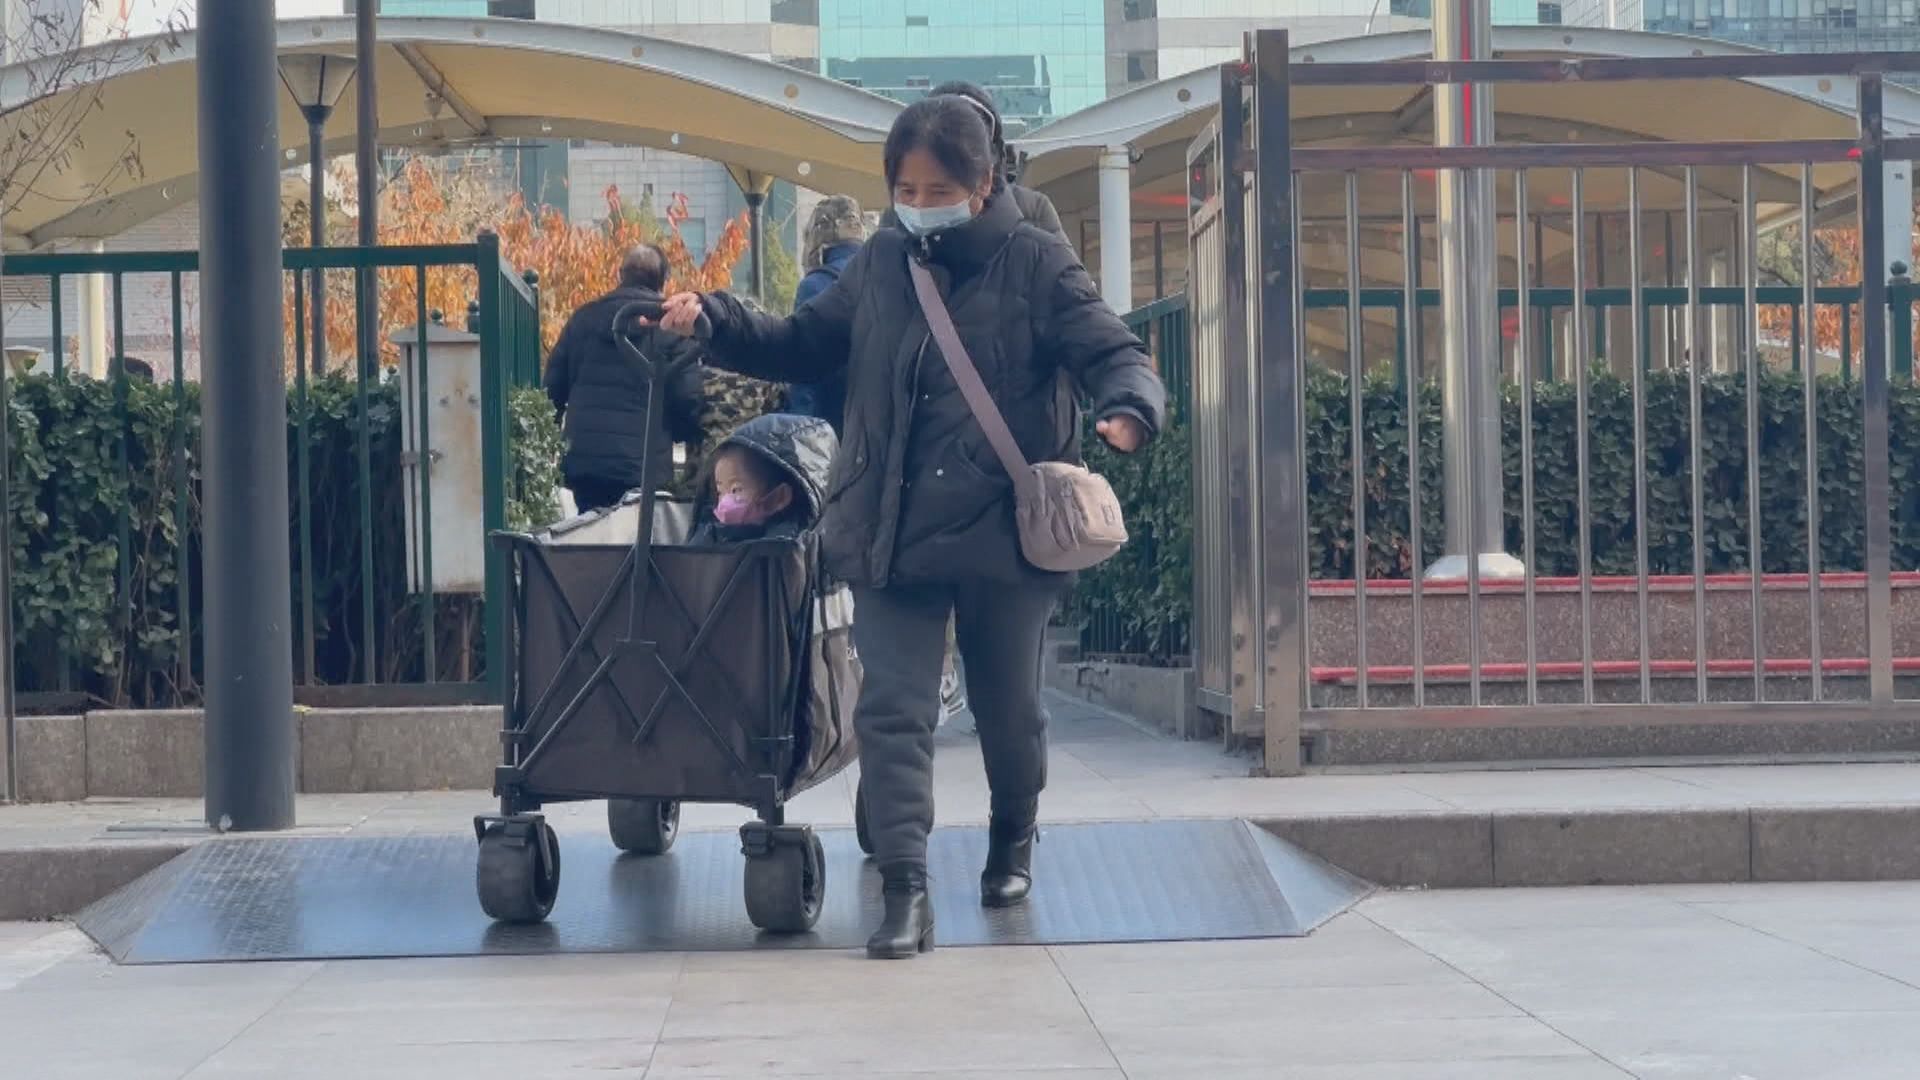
(927, 220)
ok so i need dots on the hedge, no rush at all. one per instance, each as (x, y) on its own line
(1141, 603)
(69, 491)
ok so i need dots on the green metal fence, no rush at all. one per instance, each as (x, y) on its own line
(1110, 622)
(1103, 608)
(371, 623)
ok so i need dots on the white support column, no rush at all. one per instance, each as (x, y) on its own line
(1116, 227)
(92, 327)
(1898, 219)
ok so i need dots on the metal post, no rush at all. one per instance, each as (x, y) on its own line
(367, 125)
(1875, 393)
(9, 744)
(755, 187)
(756, 236)
(249, 644)
(1116, 227)
(1280, 423)
(1470, 324)
(317, 233)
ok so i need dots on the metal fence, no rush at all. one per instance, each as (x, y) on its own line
(1720, 647)
(375, 620)
(1108, 606)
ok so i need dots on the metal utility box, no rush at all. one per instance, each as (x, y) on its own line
(443, 439)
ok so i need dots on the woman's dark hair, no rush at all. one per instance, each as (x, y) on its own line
(973, 92)
(949, 128)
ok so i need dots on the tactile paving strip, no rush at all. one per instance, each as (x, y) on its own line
(344, 897)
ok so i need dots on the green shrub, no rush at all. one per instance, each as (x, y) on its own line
(77, 628)
(1141, 602)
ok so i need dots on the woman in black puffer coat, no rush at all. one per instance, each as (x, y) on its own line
(919, 512)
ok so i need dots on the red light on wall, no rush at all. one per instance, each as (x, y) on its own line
(1509, 325)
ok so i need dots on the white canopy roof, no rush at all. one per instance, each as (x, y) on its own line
(445, 82)
(1157, 122)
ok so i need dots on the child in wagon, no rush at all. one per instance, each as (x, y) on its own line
(766, 480)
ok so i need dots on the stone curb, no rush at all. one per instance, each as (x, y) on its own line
(1699, 845)
(41, 883)
(133, 754)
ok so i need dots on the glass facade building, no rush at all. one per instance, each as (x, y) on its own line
(1793, 25)
(505, 9)
(1040, 59)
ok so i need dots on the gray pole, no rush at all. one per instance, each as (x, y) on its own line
(367, 157)
(367, 130)
(317, 212)
(249, 650)
(1470, 324)
(756, 242)
(9, 735)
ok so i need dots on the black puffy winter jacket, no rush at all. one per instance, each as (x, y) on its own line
(916, 495)
(601, 396)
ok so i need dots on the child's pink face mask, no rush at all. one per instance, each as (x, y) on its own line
(736, 509)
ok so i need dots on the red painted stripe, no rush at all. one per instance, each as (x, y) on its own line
(1609, 668)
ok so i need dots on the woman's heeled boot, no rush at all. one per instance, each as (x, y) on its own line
(906, 926)
(1008, 876)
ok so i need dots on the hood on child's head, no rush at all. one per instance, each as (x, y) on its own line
(801, 448)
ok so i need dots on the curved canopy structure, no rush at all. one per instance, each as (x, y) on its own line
(450, 82)
(1158, 122)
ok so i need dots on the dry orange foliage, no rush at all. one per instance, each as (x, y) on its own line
(432, 203)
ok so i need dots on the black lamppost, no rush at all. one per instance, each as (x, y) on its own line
(317, 81)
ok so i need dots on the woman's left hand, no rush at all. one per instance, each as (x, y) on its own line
(1124, 433)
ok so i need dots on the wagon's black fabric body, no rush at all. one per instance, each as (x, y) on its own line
(737, 684)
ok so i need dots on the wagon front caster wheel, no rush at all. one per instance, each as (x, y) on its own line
(643, 826)
(862, 831)
(518, 872)
(786, 883)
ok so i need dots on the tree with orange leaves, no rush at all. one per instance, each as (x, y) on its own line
(1836, 262)
(432, 202)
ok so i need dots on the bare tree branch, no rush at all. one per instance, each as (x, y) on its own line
(60, 78)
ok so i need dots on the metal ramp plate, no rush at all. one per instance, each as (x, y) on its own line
(320, 898)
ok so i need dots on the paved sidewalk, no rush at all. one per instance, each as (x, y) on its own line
(1749, 981)
(1103, 768)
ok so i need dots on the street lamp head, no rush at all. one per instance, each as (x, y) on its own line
(316, 81)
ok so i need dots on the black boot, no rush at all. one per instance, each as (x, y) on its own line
(1008, 877)
(906, 927)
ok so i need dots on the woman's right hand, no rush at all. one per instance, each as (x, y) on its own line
(681, 312)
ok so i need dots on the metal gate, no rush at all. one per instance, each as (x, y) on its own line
(1226, 509)
(1253, 652)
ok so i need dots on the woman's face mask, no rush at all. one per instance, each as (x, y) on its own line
(927, 199)
(927, 220)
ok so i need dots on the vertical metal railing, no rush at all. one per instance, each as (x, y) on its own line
(1678, 524)
(341, 577)
(1876, 400)
(1112, 626)
(1280, 399)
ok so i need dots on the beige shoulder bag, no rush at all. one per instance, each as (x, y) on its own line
(1069, 518)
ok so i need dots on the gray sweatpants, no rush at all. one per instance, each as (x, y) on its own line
(901, 633)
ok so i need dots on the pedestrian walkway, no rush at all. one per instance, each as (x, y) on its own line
(1676, 983)
(1103, 767)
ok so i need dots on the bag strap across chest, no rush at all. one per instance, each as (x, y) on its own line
(967, 377)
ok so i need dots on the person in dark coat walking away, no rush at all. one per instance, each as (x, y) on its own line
(601, 394)
(834, 235)
(1033, 205)
(919, 515)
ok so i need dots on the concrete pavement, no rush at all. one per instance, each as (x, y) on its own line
(1631, 824)
(1754, 981)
